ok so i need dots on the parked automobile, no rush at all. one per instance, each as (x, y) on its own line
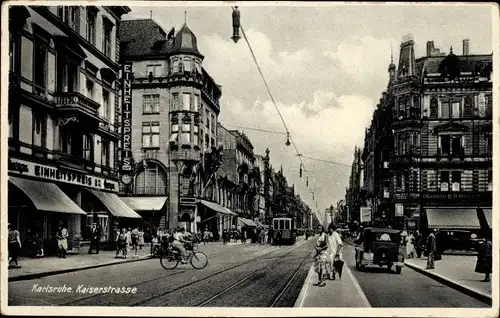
(457, 240)
(380, 247)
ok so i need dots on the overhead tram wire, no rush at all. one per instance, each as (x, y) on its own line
(269, 92)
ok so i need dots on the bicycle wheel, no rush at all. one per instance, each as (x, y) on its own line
(199, 260)
(168, 261)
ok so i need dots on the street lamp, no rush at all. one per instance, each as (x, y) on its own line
(236, 25)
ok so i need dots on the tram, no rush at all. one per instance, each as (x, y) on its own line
(286, 226)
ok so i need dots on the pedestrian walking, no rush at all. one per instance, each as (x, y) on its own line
(121, 244)
(206, 236)
(321, 259)
(141, 239)
(95, 237)
(39, 245)
(279, 236)
(418, 244)
(431, 250)
(14, 246)
(410, 248)
(485, 259)
(134, 240)
(334, 243)
(62, 240)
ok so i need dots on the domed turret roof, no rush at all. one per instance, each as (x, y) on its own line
(185, 42)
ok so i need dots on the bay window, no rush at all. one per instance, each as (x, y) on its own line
(186, 101)
(175, 101)
(196, 100)
(195, 136)
(186, 133)
(187, 65)
(67, 72)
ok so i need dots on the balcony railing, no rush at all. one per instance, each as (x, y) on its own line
(74, 160)
(76, 101)
(451, 154)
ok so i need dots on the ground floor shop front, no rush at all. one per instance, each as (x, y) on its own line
(43, 197)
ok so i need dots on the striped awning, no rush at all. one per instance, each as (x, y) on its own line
(145, 203)
(46, 196)
(217, 208)
(246, 222)
(453, 218)
(115, 206)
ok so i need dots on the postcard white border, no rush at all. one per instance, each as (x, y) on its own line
(261, 312)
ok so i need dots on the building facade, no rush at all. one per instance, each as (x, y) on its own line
(355, 197)
(175, 106)
(64, 110)
(441, 134)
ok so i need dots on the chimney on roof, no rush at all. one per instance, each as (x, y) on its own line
(430, 48)
(465, 47)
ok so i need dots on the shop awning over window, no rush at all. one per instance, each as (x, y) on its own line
(488, 217)
(145, 203)
(46, 196)
(453, 218)
(218, 208)
(115, 205)
(246, 222)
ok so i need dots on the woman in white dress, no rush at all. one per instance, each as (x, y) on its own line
(334, 242)
(410, 248)
(321, 259)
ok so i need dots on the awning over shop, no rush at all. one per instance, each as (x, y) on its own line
(145, 203)
(46, 196)
(246, 222)
(115, 206)
(452, 218)
(218, 208)
(488, 217)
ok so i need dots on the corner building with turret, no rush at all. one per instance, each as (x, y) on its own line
(174, 110)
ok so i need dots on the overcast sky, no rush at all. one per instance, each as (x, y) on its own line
(326, 66)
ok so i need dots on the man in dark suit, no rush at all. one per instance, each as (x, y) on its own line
(95, 237)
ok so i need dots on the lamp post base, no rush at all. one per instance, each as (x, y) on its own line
(235, 38)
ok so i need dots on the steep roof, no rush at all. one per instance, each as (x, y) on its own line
(467, 63)
(145, 37)
(185, 42)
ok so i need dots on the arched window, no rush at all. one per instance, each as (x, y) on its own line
(151, 179)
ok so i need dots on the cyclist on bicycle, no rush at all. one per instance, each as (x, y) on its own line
(179, 240)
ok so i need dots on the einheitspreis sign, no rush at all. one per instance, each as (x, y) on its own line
(126, 167)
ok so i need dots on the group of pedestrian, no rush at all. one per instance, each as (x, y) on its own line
(127, 240)
(328, 259)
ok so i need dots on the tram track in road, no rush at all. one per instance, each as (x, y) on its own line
(277, 297)
(192, 283)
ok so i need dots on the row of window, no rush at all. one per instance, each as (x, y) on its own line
(67, 73)
(185, 64)
(448, 180)
(71, 16)
(151, 135)
(449, 108)
(448, 145)
(71, 142)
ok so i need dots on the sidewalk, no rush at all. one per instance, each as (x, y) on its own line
(339, 293)
(457, 272)
(51, 265)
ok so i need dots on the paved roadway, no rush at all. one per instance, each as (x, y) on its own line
(409, 289)
(237, 275)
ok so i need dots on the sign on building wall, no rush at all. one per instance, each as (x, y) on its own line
(365, 214)
(51, 173)
(126, 167)
(399, 209)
